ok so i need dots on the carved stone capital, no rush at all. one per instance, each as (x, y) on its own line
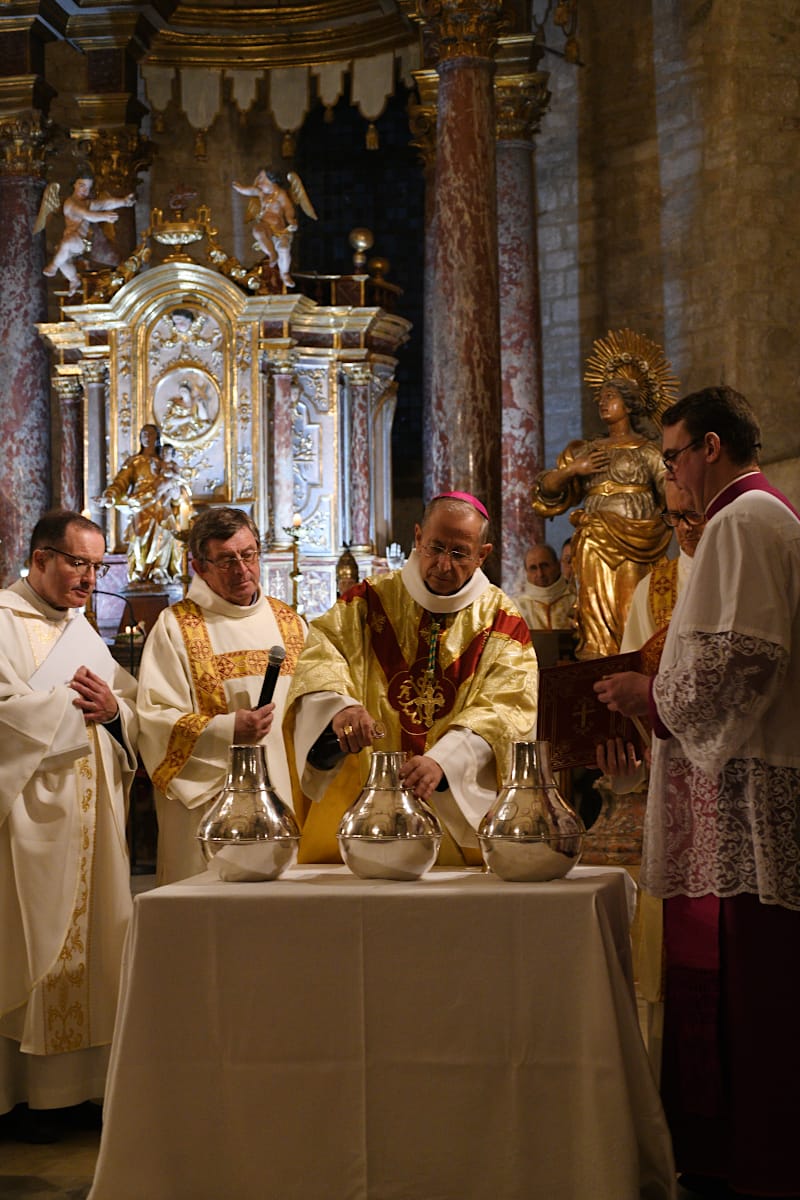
(117, 157)
(422, 116)
(520, 103)
(359, 374)
(94, 371)
(24, 144)
(461, 28)
(277, 357)
(68, 388)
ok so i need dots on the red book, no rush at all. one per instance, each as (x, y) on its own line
(573, 720)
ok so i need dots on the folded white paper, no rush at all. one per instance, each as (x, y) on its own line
(79, 646)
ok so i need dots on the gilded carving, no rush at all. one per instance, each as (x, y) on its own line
(24, 144)
(117, 157)
(422, 116)
(520, 103)
(461, 28)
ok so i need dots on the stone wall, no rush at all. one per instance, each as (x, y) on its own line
(669, 180)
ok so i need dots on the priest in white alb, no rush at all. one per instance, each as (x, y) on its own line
(200, 679)
(547, 600)
(68, 730)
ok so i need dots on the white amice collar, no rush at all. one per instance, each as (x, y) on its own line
(414, 585)
(549, 594)
(201, 593)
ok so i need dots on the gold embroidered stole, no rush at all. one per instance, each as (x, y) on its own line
(209, 672)
(662, 594)
(60, 1002)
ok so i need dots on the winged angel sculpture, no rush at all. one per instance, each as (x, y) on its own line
(80, 213)
(274, 216)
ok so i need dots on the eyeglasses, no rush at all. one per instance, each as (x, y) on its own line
(673, 517)
(435, 550)
(81, 565)
(229, 562)
(670, 457)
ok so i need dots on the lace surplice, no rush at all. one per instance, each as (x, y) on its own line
(727, 822)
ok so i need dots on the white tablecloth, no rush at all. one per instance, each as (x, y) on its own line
(323, 1037)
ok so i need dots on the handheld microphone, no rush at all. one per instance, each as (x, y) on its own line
(274, 662)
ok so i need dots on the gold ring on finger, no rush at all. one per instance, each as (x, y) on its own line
(347, 731)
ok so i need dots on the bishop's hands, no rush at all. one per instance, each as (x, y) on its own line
(422, 774)
(356, 728)
(95, 699)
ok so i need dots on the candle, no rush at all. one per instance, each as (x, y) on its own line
(297, 520)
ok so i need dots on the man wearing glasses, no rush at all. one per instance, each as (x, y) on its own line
(68, 731)
(722, 831)
(432, 659)
(200, 679)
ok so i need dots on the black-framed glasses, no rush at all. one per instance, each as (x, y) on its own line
(436, 550)
(81, 565)
(670, 457)
(229, 562)
(673, 517)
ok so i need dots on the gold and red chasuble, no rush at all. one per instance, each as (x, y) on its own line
(422, 691)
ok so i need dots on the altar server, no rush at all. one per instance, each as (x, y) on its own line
(722, 832)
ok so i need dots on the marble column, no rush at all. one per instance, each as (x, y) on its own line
(68, 484)
(422, 123)
(358, 377)
(25, 394)
(280, 455)
(95, 386)
(465, 398)
(521, 99)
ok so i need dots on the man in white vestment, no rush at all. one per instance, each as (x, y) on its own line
(722, 830)
(547, 600)
(68, 730)
(200, 679)
(646, 628)
(432, 659)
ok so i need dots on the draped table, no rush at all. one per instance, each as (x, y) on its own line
(323, 1037)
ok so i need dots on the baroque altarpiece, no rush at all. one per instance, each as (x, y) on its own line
(273, 402)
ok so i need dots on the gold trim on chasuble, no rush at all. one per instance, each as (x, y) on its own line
(209, 673)
(67, 1015)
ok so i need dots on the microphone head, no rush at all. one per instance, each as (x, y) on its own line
(276, 655)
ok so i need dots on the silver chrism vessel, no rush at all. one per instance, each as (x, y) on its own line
(388, 833)
(530, 833)
(249, 830)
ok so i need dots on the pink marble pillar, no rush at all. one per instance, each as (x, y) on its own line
(422, 121)
(359, 480)
(521, 354)
(465, 401)
(25, 393)
(521, 98)
(69, 484)
(281, 457)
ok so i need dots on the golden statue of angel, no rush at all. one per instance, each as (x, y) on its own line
(618, 480)
(80, 213)
(274, 216)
